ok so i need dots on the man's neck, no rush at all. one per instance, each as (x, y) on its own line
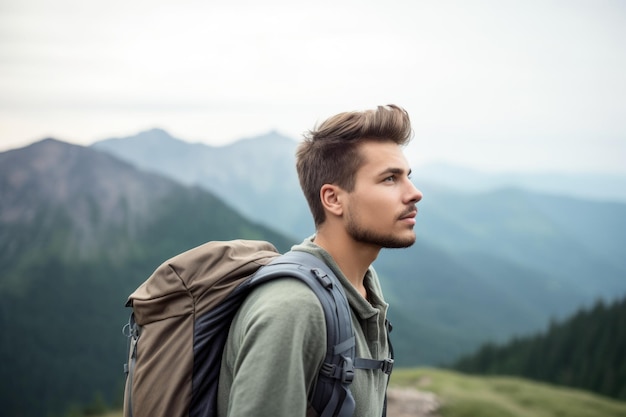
(353, 258)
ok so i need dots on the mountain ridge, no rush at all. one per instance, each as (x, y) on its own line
(256, 165)
(586, 185)
(547, 236)
(98, 228)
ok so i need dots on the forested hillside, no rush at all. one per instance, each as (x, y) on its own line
(79, 231)
(587, 351)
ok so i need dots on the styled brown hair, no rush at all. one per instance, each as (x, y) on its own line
(330, 154)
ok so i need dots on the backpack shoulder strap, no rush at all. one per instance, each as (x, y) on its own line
(332, 396)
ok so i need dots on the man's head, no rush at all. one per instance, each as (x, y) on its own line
(330, 154)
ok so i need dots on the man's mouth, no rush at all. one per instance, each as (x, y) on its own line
(409, 214)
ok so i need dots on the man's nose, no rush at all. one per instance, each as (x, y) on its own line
(415, 194)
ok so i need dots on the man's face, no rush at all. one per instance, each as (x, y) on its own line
(381, 209)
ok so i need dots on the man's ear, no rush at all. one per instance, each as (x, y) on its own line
(330, 195)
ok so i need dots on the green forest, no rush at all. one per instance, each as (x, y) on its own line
(587, 351)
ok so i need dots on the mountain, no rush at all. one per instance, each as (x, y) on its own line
(257, 175)
(584, 351)
(594, 186)
(79, 230)
(489, 264)
(578, 243)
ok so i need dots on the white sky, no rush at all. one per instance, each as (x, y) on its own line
(495, 85)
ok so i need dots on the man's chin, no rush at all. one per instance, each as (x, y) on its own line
(391, 241)
(399, 243)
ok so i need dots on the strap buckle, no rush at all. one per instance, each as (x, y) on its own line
(322, 277)
(387, 366)
(344, 373)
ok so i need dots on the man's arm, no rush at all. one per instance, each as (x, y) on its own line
(275, 347)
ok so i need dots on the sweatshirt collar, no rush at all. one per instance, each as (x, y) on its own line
(359, 305)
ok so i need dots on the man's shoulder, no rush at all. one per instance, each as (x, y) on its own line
(287, 286)
(282, 296)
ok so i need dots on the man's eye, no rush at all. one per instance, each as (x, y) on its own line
(391, 178)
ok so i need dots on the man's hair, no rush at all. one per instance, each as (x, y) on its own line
(330, 154)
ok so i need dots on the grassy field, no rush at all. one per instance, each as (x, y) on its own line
(479, 396)
(472, 396)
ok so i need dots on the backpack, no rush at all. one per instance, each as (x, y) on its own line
(182, 313)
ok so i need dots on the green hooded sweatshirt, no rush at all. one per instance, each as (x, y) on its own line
(277, 343)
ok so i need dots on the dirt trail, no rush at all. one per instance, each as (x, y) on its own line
(410, 402)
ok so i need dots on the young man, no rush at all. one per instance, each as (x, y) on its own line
(356, 180)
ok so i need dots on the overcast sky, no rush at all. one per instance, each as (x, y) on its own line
(495, 85)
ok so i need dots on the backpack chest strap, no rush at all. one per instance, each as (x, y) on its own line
(385, 365)
(345, 371)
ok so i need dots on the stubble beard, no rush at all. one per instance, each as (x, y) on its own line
(361, 234)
